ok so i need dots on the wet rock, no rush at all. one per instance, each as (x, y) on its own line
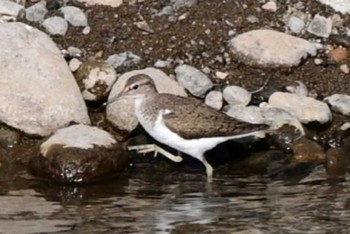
(10, 9)
(36, 12)
(295, 24)
(192, 79)
(320, 26)
(8, 138)
(284, 137)
(305, 109)
(74, 16)
(298, 88)
(36, 101)
(126, 59)
(214, 99)
(342, 40)
(235, 95)
(305, 150)
(275, 48)
(79, 154)
(112, 3)
(342, 6)
(339, 103)
(56, 25)
(121, 111)
(337, 162)
(95, 79)
(250, 114)
(277, 117)
(74, 52)
(338, 54)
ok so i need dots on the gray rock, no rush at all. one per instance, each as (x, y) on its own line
(74, 16)
(270, 48)
(320, 26)
(144, 26)
(79, 154)
(305, 109)
(339, 103)
(177, 4)
(235, 95)
(36, 12)
(95, 79)
(342, 6)
(112, 3)
(161, 63)
(126, 59)
(295, 24)
(9, 8)
(192, 79)
(252, 19)
(214, 99)
(250, 114)
(121, 111)
(74, 64)
(36, 101)
(298, 88)
(56, 25)
(277, 117)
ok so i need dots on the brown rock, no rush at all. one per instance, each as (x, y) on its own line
(306, 150)
(338, 54)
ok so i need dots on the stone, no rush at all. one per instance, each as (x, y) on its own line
(270, 48)
(112, 3)
(299, 88)
(342, 6)
(36, 12)
(9, 138)
(192, 79)
(338, 54)
(161, 63)
(75, 16)
(320, 26)
(55, 25)
(235, 95)
(305, 109)
(177, 4)
(278, 117)
(295, 24)
(144, 26)
(339, 103)
(221, 75)
(250, 114)
(79, 154)
(121, 111)
(344, 68)
(36, 101)
(305, 150)
(343, 40)
(270, 6)
(214, 99)
(74, 64)
(95, 79)
(125, 59)
(9, 8)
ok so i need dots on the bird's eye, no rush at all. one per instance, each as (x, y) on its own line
(135, 87)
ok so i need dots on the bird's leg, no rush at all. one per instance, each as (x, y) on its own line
(156, 149)
(208, 169)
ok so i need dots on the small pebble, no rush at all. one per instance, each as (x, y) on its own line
(56, 25)
(214, 99)
(74, 64)
(318, 61)
(143, 25)
(270, 6)
(221, 75)
(295, 24)
(235, 95)
(320, 26)
(338, 54)
(344, 68)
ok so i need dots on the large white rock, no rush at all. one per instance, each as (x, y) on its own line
(38, 93)
(306, 109)
(121, 112)
(270, 48)
(339, 103)
(9, 8)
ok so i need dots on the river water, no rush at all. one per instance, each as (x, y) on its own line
(145, 200)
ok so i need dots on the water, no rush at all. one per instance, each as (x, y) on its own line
(145, 200)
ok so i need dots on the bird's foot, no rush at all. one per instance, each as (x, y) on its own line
(143, 149)
(209, 171)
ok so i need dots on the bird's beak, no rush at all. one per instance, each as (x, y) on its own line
(114, 98)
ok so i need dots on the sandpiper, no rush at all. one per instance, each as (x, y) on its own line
(185, 124)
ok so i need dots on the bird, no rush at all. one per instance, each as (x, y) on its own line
(185, 124)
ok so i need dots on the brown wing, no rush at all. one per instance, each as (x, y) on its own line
(191, 118)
